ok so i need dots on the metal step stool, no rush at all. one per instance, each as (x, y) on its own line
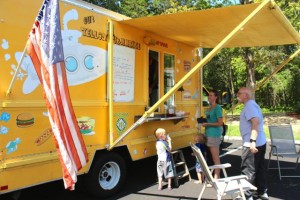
(180, 168)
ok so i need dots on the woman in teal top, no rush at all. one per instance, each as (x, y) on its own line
(213, 128)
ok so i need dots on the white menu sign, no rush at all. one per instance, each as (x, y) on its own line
(124, 63)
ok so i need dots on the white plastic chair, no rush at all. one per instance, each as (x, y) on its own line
(283, 145)
(223, 186)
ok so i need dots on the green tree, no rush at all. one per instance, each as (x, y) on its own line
(134, 8)
(108, 4)
(176, 7)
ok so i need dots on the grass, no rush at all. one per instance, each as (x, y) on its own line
(233, 130)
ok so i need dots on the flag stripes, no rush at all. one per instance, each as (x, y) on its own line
(44, 46)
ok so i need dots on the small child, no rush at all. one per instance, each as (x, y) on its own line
(164, 164)
(200, 143)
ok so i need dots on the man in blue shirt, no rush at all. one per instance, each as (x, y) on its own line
(254, 144)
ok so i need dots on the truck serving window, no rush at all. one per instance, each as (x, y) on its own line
(205, 97)
(169, 63)
(153, 77)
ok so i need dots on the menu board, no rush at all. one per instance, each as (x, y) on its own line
(124, 63)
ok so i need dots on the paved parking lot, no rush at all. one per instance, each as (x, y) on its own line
(141, 183)
(287, 188)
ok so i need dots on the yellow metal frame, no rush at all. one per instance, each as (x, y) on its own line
(110, 78)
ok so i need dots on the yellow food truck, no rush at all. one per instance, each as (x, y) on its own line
(108, 69)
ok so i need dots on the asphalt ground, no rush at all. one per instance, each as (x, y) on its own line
(287, 188)
(141, 183)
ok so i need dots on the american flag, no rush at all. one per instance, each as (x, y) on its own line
(45, 48)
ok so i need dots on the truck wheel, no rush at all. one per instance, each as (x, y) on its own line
(107, 175)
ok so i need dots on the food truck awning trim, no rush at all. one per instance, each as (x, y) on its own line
(206, 28)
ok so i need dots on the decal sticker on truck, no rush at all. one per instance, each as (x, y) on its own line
(86, 125)
(12, 145)
(43, 137)
(84, 63)
(24, 120)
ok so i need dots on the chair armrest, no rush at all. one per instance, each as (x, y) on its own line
(231, 178)
(273, 149)
(297, 149)
(220, 166)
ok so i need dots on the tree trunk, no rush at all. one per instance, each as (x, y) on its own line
(246, 1)
(231, 85)
(250, 79)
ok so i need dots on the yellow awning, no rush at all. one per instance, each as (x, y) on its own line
(206, 28)
(239, 26)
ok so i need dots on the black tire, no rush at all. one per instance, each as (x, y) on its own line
(107, 176)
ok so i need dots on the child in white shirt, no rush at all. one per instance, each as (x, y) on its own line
(164, 164)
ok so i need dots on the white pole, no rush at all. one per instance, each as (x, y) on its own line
(16, 73)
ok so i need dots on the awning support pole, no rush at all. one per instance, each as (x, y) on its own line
(291, 57)
(110, 79)
(200, 65)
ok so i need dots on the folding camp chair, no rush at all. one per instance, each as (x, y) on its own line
(283, 145)
(223, 186)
